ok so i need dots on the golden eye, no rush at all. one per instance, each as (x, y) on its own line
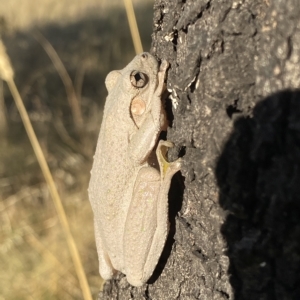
(138, 79)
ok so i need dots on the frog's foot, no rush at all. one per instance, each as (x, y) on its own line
(167, 169)
(106, 268)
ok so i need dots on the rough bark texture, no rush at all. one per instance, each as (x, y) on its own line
(234, 74)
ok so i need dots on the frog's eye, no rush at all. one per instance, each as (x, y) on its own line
(138, 79)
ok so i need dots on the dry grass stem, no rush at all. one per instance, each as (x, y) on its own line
(78, 82)
(6, 72)
(3, 120)
(66, 79)
(133, 27)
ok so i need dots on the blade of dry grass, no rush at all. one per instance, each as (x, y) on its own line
(6, 72)
(133, 27)
(78, 82)
(3, 120)
(66, 79)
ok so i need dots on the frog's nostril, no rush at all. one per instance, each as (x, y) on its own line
(144, 55)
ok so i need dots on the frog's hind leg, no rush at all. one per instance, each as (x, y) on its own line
(141, 224)
(106, 269)
(147, 223)
(167, 170)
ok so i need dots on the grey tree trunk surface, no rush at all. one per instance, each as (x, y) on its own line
(235, 120)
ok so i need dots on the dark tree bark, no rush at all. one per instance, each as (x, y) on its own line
(235, 233)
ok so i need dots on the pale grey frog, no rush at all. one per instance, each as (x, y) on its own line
(129, 182)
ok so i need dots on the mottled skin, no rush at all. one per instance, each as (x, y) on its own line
(128, 193)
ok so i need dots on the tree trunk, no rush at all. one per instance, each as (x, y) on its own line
(235, 119)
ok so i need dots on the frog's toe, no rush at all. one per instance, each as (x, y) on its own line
(135, 281)
(106, 273)
(164, 65)
(163, 143)
(165, 166)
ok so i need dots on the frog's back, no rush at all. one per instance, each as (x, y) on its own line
(110, 166)
(111, 179)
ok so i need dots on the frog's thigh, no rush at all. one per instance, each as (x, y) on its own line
(106, 269)
(146, 226)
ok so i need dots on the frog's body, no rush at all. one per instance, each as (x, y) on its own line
(127, 194)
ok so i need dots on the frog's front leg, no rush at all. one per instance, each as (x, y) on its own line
(147, 223)
(143, 141)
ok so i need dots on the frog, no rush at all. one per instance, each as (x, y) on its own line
(130, 176)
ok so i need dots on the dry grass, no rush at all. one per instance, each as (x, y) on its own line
(35, 261)
(27, 13)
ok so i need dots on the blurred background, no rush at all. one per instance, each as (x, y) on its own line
(61, 52)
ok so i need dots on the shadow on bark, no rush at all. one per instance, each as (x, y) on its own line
(259, 178)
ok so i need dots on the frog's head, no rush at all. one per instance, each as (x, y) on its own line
(137, 83)
(136, 77)
(141, 81)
